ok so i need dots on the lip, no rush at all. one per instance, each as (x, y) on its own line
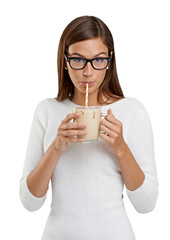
(90, 83)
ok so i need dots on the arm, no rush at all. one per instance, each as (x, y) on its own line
(141, 145)
(38, 166)
(132, 174)
(39, 177)
(136, 158)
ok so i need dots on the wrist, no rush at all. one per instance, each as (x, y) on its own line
(122, 152)
(54, 149)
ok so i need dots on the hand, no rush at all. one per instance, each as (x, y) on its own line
(66, 132)
(113, 133)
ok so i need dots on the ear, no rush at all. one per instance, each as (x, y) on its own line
(65, 66)
(111, 53)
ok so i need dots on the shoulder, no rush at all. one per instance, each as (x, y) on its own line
(127, 101)
(128, 105)
(43, 104)
(135, 104)
(137, 110)
(48, 103)
(48, 106)
(134, 101)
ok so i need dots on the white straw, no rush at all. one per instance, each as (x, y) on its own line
(86, 102)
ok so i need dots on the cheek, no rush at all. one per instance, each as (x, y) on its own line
(74, 75)
(101, 75)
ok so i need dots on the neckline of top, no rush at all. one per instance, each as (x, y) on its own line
(114, 103)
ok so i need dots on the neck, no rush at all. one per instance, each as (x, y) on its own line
(92, 101)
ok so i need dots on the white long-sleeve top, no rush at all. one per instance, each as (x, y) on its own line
(87, 183)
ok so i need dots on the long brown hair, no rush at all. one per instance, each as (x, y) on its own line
(83, 28)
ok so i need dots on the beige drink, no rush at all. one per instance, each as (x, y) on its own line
(91, 116)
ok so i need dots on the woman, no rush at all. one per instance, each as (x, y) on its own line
(88, 179)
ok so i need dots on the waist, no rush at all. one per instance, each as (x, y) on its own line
(113, 224)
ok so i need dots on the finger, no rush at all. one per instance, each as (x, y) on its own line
(109, 111)
(104, 137)
(71, 125)
(73, 140)
(71, 116)
(109, 125)
(109, 132)
(111, 118)
(71, 133)
(107, 138)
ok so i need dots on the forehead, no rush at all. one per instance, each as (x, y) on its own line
(88, 48)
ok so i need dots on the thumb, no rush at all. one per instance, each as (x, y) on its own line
(109, 111)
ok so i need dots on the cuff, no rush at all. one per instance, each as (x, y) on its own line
(144, 198)
(30, 202)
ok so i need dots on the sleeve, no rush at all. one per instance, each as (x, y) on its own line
(141, 144)
(34, 154)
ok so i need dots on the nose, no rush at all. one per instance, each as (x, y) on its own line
(88, 70)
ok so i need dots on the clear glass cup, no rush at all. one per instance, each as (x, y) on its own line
(91, 116)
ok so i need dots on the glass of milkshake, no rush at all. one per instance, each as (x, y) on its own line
(91, 116)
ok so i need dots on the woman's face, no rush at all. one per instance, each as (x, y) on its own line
(87, 49)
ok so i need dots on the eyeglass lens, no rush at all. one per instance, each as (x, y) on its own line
(97, 63)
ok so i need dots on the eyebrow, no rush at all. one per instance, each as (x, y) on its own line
(78, 54)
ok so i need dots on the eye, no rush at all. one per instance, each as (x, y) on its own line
(99, 60)
(78, 60)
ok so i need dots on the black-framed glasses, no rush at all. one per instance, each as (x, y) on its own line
(79, 63)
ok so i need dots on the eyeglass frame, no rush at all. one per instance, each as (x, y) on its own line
(68, 59)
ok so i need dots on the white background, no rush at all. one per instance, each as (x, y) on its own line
(30, 32)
